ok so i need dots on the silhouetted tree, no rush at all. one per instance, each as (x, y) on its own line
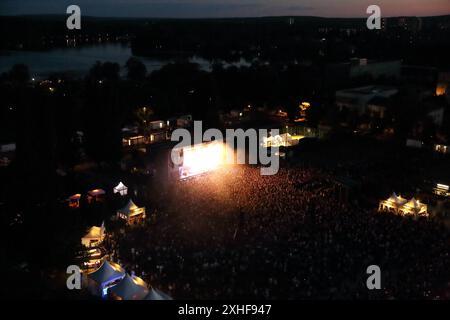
(144, 116)
(101, 115)
(107, 71)
(19, 74)
(136, 70)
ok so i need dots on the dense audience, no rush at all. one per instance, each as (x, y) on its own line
(236, 234)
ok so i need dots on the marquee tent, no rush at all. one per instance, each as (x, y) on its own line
(400, 205)
(156, 294)
(131, 212)
(129, 288)
(108, 271)
(94, 236)
(74, 200)
(414, 207)
(393, 203)
(104, 277)
(121, 189)
(96, 194)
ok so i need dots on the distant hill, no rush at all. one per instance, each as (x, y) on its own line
(423, 40)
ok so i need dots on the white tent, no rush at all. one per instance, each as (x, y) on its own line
(129, 288)
(414, 207)
(393, 203)
(108, 271)
(156, 294)
(399, 200)
(121, 189)
(94, 236)
(400, 205)
(131, 211)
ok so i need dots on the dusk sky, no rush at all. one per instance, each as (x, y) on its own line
(227, 8)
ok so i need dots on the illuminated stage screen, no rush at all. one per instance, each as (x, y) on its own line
(201, 158)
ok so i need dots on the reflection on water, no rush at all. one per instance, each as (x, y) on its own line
(80, 60)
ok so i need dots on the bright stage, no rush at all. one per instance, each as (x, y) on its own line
(199, 159)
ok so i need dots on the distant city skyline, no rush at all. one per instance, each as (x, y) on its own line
(227, 8)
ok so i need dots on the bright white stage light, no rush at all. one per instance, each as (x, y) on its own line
(202, 158)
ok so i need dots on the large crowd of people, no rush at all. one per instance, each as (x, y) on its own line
(233, 233)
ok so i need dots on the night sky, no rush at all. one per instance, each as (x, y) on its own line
(227, 8)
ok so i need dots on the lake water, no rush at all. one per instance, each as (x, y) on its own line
(79, 60)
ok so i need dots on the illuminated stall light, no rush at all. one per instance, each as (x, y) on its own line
(282, 140)
(96, 195)
(441, 190)
(74, 200)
